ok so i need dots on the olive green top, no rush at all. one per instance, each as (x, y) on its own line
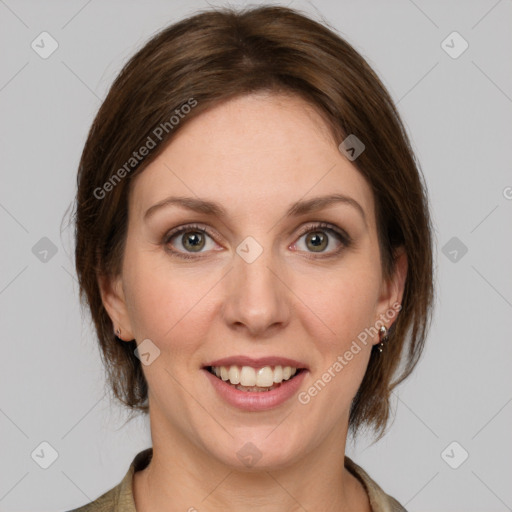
(120, 498)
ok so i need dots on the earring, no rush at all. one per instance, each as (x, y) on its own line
(384, 337)
(117, 332)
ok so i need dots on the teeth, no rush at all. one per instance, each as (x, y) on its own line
(247, 376)
(264, 377)
(234, 375)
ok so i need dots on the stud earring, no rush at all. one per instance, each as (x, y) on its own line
(117, 332)
(384, 337)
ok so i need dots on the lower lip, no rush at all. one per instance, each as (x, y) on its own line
(256, 400)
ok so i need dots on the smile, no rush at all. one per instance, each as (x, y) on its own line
(253, 385)
(249, 379)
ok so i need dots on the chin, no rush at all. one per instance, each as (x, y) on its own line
(265, 450)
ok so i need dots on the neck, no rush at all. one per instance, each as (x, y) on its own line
(183, 477)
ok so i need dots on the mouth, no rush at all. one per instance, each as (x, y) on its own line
(253, 379)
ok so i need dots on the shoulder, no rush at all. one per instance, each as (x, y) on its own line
(120, 497)
(379, 500)
(105, 503)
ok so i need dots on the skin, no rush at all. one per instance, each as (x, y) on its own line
(255, 156)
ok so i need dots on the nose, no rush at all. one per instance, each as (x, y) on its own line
(257, 299)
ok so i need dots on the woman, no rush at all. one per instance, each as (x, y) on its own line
(254, 243)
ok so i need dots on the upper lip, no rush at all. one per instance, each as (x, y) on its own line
(259, 362)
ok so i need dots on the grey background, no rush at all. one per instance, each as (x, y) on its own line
(458, 113)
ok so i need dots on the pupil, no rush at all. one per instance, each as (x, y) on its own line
(194, 241)
(318, 241)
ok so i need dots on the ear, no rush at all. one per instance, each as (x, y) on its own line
(112, 296)
(392, 289)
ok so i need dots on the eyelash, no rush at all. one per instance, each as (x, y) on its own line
(343, 237)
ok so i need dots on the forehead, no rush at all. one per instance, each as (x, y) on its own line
(260, 151)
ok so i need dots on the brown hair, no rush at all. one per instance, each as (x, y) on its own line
(209, 58)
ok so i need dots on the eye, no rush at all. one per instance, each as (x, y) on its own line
(188, 242)
(188, 239)
(322, 236)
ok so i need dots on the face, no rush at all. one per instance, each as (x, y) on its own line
(252, 274)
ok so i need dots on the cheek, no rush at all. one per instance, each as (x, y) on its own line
(343, 341)
(342, 304)
(169, 307)
(175, 307)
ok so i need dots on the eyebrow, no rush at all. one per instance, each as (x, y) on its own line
(301, 207)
